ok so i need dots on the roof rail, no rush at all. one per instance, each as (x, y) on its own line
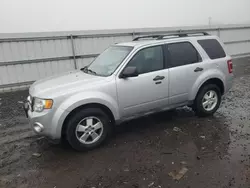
(174, 35)
(147, 37)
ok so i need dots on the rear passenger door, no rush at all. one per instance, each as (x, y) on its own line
(185, 66)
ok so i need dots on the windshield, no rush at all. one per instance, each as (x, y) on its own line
(107, 62)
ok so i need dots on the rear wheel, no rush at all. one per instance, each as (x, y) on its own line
(208, 100)
(88, 129)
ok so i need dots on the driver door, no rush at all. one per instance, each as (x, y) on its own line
(149, 90)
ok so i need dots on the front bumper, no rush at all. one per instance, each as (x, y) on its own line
(42, 122)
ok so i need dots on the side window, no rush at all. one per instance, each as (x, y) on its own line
(182, 53)
(213, 48)
(148, 60)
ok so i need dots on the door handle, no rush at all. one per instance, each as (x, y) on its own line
(157, 78)
(198, 69)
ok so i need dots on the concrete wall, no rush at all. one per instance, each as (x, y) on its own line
(27, 57)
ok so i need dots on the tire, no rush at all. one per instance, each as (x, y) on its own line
(200, 107)
(82, 137)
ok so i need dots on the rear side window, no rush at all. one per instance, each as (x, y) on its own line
(182, 53)
(213, 48)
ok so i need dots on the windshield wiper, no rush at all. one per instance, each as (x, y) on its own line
(85, 69)
(92, 71)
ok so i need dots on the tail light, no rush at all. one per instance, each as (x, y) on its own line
(230, 66)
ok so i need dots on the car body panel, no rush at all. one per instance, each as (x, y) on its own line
(62, 84)
(141, 94)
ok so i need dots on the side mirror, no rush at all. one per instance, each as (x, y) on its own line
(129, 72)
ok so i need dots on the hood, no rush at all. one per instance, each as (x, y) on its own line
(62, 83)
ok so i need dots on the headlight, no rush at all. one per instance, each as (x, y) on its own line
(41, 104)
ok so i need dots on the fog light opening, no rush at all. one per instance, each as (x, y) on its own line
(38, 127)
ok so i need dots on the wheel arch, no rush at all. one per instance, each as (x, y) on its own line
(104, 108)
(217, 81)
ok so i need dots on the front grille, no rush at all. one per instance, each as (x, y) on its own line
(30, 100)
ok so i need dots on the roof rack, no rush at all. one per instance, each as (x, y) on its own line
(173, 35)
(147, 37)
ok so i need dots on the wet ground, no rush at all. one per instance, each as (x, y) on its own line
(142, 153)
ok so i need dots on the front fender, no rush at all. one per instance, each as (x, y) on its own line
(210, 74)
(81, 99)
(91, 97)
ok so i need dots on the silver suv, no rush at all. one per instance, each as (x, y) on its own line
(128, 80)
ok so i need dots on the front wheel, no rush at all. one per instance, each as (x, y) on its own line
(208, 100)
(87, 129)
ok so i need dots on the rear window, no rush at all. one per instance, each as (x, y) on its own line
(213, 48)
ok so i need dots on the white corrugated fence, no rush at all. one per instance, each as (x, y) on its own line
(27, 57)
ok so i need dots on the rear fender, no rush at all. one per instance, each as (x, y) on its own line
(209, 74)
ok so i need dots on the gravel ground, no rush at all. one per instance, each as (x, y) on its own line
(212, 152)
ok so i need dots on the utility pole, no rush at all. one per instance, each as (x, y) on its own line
(209, 21)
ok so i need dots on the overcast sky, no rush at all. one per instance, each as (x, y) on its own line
(66, 15)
